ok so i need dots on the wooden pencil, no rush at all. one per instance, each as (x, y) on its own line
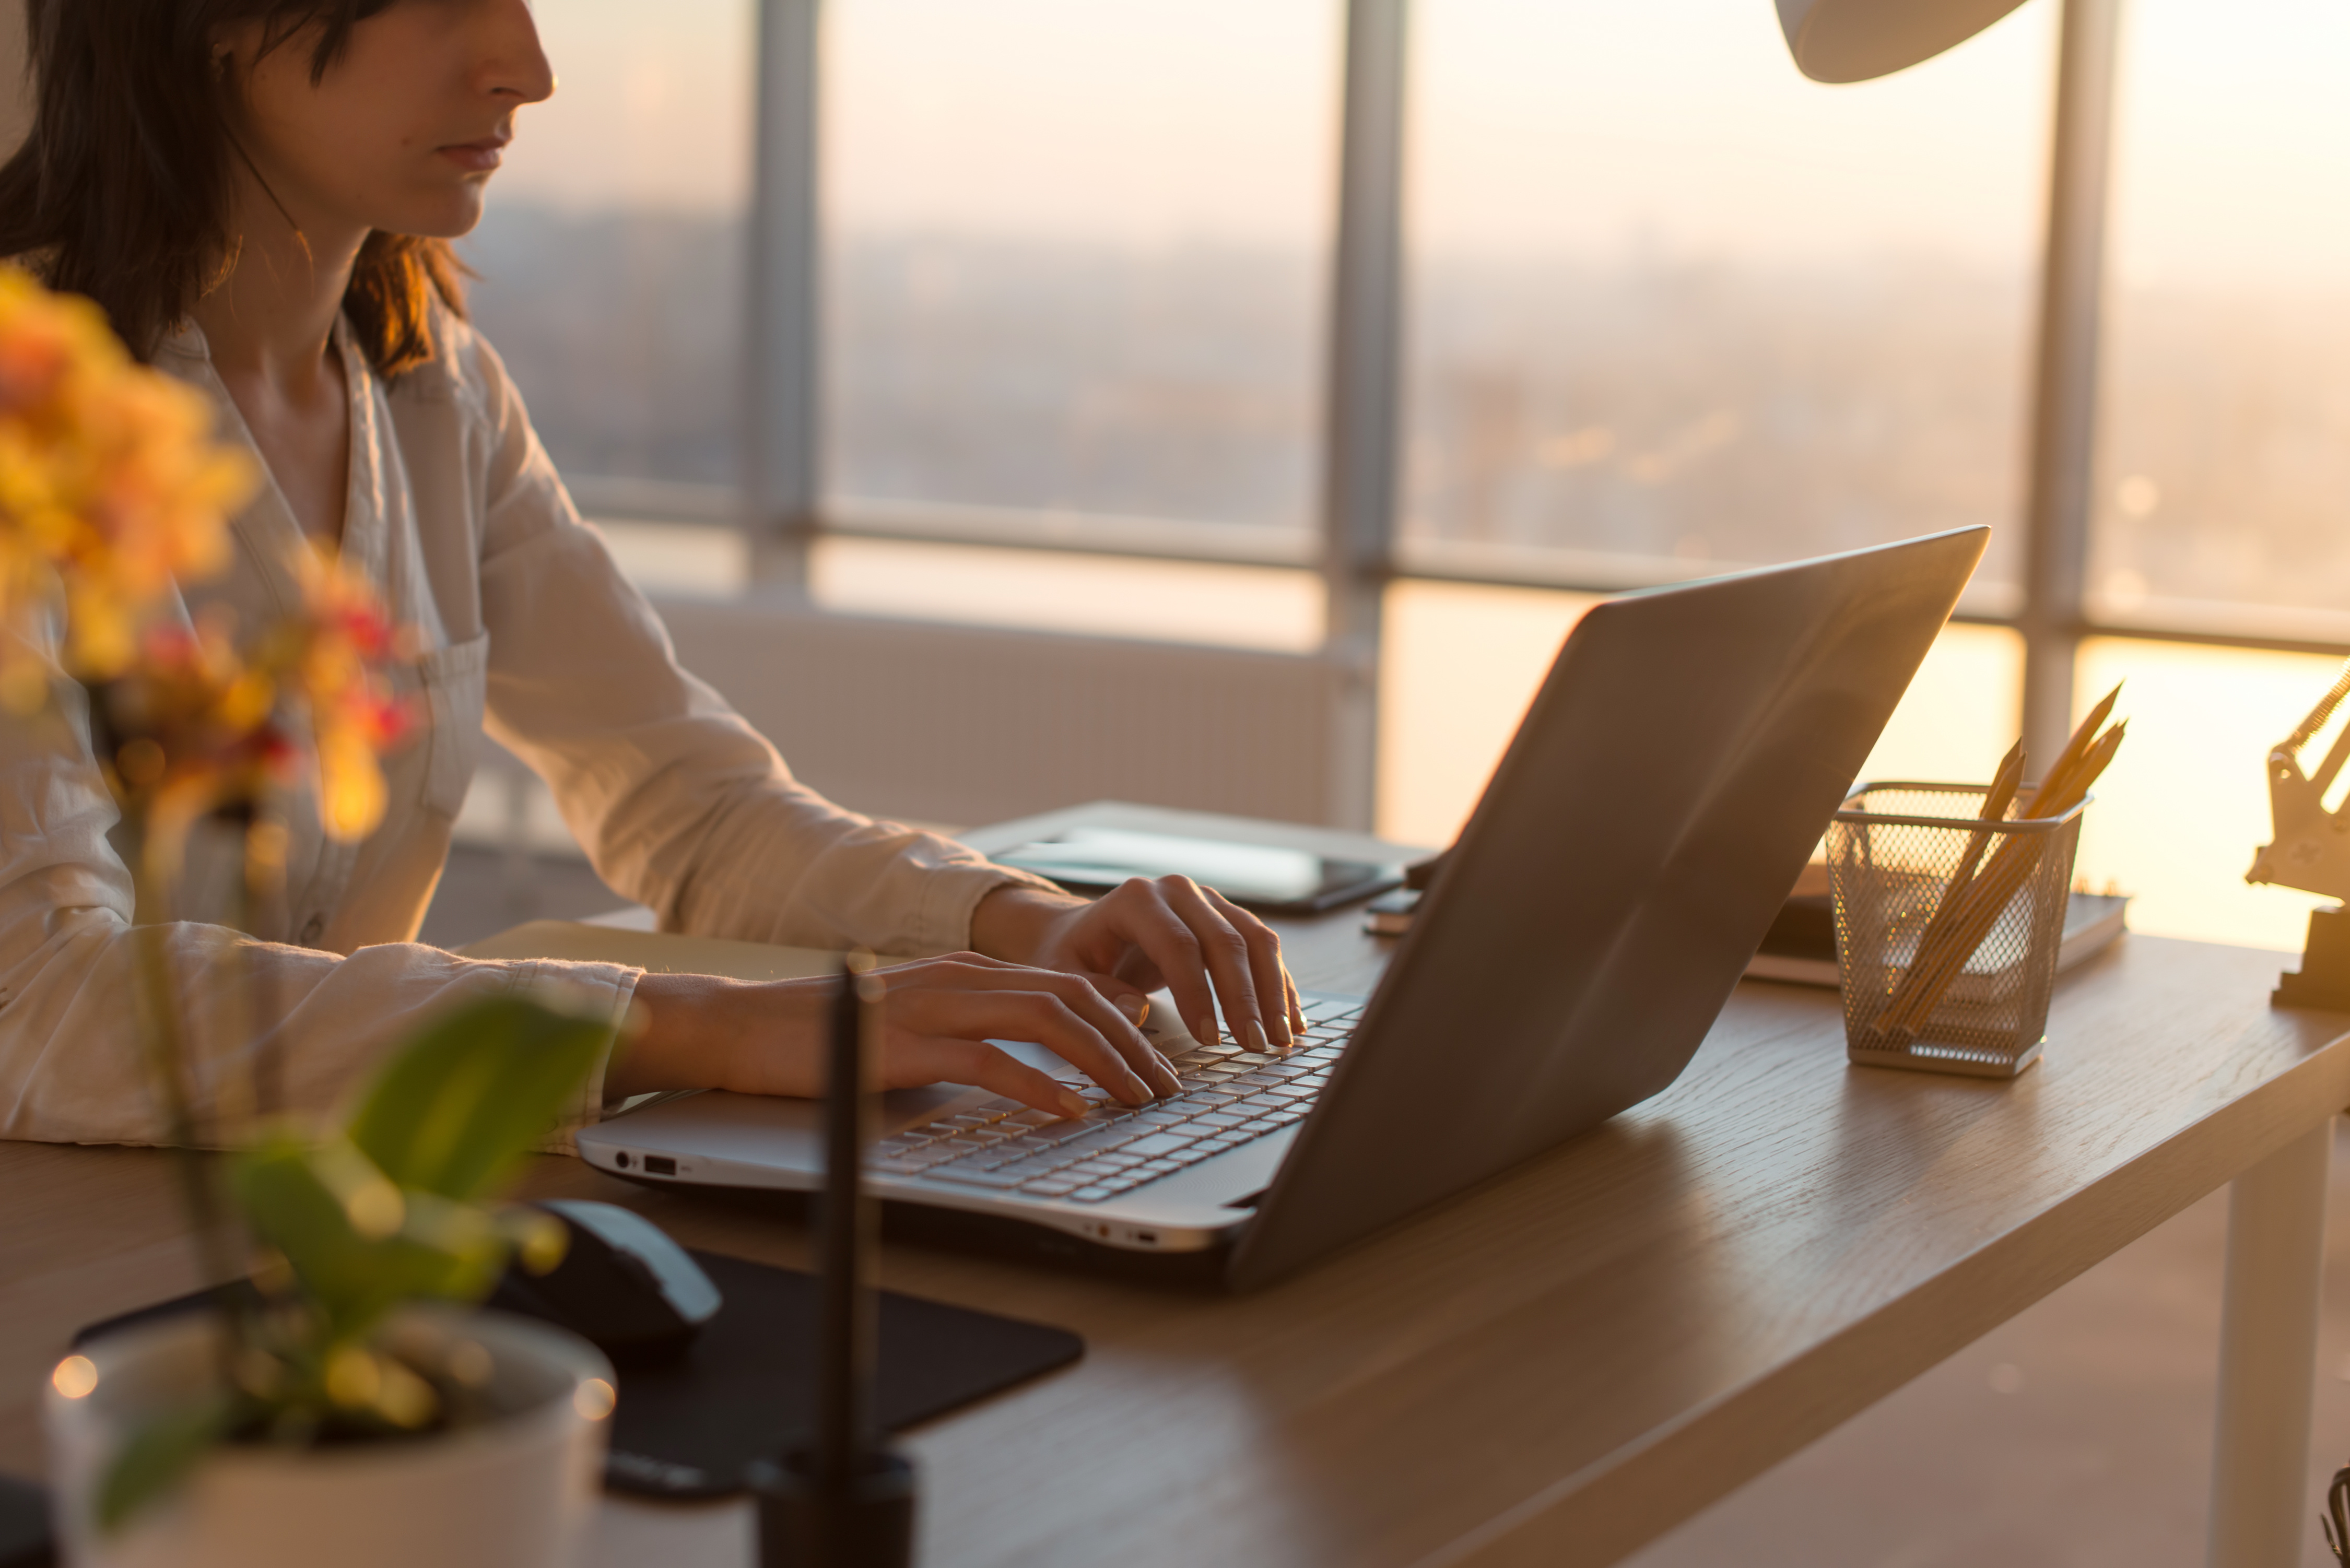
(1989, 896)
(1996, 802)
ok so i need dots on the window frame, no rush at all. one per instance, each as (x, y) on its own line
(1355, 546)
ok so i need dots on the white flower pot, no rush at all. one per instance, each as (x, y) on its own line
(513, 1492)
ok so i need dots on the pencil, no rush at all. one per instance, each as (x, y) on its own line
(2070, 757)
(1996, 802)
(1988, 896)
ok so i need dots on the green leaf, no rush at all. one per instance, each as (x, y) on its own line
(158, 1457)
(357, 1245)
(452, 1112)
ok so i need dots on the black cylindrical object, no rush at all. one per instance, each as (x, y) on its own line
(844, 1500)
(805, 1523)
(844, 1405)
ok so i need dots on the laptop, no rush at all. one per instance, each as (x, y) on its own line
(1671, 778)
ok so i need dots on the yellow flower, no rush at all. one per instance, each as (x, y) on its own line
(111, 488)
(112, 493)
(202, 728)
(194, 733)
(341, 649)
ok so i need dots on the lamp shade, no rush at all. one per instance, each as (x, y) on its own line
(1853, 41)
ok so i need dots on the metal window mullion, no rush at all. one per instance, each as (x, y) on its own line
(1362, 401)
(781, 482)
(2065, 406)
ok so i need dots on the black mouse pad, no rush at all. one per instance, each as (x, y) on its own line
(745, 1388)
(24, 1525)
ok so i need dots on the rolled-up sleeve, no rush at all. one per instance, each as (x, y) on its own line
(260, 1027)
(680, 803)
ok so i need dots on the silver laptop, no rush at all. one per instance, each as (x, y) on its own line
(1682, 758)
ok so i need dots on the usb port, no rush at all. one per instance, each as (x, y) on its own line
(659, 1164)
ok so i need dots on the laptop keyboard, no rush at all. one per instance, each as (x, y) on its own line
(1229, 1098)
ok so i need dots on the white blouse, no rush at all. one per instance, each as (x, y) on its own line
(529, 630)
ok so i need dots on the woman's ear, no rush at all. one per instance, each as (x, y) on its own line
(234, 45)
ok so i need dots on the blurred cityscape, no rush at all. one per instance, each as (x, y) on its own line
(1651, 405)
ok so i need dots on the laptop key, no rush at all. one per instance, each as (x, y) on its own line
(1089, 1194)
(971, 1177)
(1157, 1144)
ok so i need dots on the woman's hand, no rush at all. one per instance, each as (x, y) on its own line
(1144, 934)
(937, 1016)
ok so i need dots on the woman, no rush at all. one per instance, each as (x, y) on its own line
(260, 192)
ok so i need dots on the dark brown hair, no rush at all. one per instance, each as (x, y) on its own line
(121, 191)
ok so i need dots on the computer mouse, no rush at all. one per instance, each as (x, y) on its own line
(623, 1286)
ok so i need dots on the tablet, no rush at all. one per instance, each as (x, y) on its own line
(1254, 875)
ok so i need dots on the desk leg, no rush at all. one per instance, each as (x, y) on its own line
(2268, 1356)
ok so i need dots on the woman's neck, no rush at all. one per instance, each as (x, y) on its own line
(272, 318)
(270, 325)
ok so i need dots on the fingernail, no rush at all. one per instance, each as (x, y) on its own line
(1136, 1008)
(1204, 1031)
(1256, 1038)
(1073, 1105)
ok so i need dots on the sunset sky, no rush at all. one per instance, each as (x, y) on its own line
(1672, 124)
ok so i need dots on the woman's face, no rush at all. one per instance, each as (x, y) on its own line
(405, 129)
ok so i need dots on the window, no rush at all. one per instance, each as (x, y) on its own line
(1672, 308)
(1075, 252)
(1675, 306)
(611, 255)
(2224, 471)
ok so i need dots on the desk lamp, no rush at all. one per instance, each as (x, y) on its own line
(2311, 851)
(1853, 41)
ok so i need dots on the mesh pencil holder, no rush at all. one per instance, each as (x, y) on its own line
(1948, 926)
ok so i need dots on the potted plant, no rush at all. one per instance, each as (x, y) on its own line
(345, 1406)
(344, 1410)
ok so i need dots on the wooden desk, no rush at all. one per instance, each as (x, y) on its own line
(1566, 1362)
